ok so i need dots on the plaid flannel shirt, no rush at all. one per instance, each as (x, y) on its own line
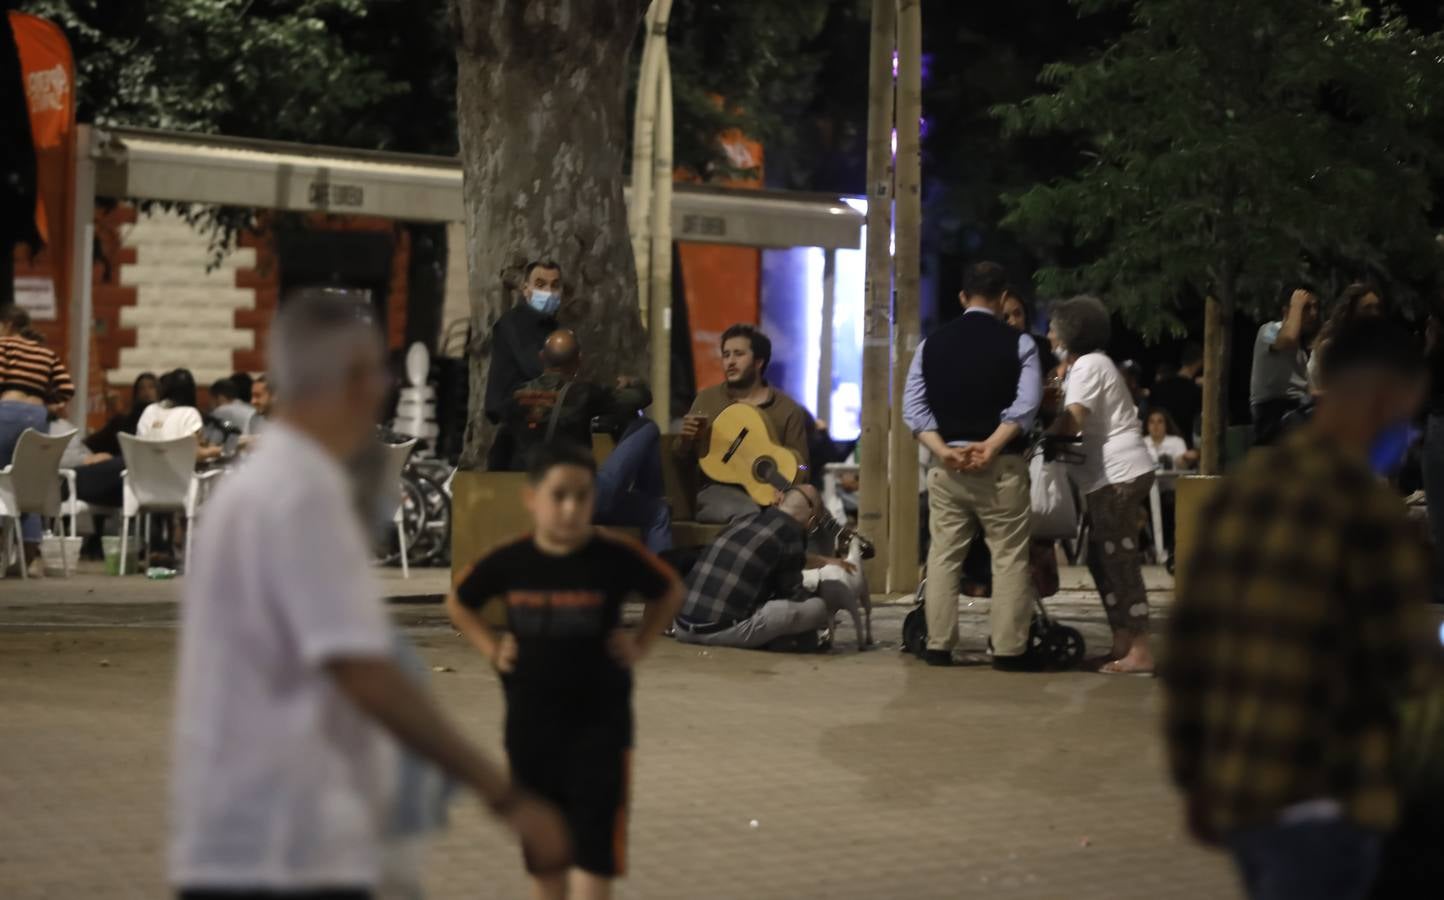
(1299, 626)
(755, 560)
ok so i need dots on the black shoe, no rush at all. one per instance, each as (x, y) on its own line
(938, 657)
(1023, 662)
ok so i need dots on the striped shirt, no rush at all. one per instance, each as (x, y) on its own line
(33, 368)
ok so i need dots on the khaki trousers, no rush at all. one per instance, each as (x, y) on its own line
(959, 503)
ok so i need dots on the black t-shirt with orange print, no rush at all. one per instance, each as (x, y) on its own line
(561, 610)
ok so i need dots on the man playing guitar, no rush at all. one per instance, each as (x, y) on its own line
(745, 355)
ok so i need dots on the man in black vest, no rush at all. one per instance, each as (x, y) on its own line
(972, 393)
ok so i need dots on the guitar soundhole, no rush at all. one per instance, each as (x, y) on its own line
(764, 469)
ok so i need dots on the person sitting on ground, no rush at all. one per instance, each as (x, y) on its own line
(144, 392)
(1279, 383)
(746, 353)
(558, 406)
(748, 589)
(516, 342)
(1300, 625)
(1359, 302)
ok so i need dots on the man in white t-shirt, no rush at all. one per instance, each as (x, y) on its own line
(288, 696)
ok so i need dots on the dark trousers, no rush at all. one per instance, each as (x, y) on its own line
(629, 486)
(1268, 420)
(15, 418)
(1334, 860)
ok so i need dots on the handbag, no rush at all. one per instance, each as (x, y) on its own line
(1055, 513)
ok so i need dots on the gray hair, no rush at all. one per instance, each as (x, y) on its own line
(312, 341)
(1082, 324)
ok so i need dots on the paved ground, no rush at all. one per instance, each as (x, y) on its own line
(868, 775)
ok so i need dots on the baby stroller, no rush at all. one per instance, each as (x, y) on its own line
(1061, 645)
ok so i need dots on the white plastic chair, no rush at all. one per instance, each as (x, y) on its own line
(31, 485)
(160, 476)
(396, 457)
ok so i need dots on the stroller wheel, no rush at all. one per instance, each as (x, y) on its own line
(1064, 646)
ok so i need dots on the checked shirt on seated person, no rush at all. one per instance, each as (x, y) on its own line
(756, 559)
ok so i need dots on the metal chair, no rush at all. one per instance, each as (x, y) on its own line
(160, 476)
(31, 485)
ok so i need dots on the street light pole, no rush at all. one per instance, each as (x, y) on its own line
(903, 483)
(873, 442)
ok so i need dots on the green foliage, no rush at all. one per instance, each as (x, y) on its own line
(745, 65)
(282, 69)
(246, 67)
(1229, 145)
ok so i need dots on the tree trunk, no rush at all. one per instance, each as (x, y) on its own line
(541, 111)
(1217, 360)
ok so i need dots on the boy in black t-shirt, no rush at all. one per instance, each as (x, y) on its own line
(565, 661)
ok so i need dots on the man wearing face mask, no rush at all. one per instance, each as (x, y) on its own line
(1299, 627)
(516, 344)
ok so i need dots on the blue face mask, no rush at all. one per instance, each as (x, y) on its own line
(544, 302)
(1390, 447)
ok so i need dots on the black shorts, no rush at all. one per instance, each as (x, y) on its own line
(585, 770)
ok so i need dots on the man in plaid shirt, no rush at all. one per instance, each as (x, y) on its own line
(1299, 626)
(747, 589)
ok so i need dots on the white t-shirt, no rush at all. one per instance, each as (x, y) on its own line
(1173, 447)
(279, 781)
(160, 422)
(1112, 444)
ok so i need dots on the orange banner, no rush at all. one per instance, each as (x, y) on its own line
(48, 70)
(723, 284)
(49, 74)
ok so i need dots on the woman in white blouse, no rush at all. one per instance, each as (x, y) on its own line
(1116, 474)
(175, 415)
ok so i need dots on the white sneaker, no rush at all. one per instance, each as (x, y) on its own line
(37, 567)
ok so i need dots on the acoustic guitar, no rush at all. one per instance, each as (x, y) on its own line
(743, 451)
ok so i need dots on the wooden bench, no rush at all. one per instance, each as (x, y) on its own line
(487, 510)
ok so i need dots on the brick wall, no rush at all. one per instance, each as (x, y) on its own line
(157, 306)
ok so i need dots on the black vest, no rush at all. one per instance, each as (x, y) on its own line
(971, 368)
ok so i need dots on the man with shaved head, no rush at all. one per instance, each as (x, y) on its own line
(751, 588)
(559, 406)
